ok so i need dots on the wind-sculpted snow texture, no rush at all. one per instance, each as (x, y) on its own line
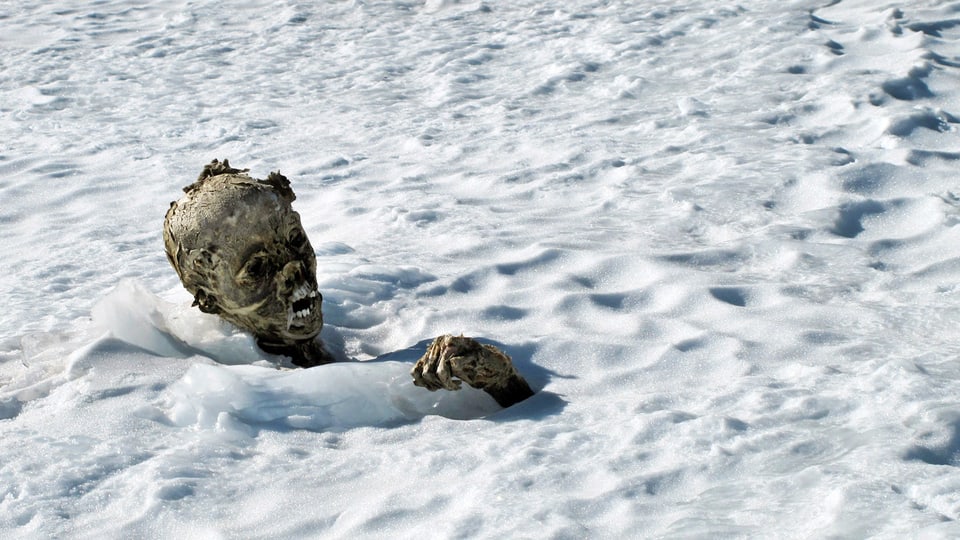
(719, 239)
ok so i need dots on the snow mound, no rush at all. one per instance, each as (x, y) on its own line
(257, 389)
(331, 396)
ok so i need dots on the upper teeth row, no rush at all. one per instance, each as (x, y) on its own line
(303, 291)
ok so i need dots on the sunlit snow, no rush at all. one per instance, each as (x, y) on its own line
(720, 240)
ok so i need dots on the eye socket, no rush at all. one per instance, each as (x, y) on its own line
(258, 267)
(297, 238)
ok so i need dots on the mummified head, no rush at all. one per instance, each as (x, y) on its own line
(240, 250)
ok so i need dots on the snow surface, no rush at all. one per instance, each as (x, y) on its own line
(721, 240)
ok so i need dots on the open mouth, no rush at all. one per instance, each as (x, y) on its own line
(303, 302)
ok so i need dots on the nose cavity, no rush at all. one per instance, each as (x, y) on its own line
(293, 274)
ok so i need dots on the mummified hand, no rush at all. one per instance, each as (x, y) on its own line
(452, 359)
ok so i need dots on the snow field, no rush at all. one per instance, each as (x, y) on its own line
(718, 239)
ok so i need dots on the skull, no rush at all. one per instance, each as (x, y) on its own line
(240, 250)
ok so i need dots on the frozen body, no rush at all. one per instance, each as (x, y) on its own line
(719, 240)
(241, 251)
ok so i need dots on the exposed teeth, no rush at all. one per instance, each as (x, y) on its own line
(302, 292)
